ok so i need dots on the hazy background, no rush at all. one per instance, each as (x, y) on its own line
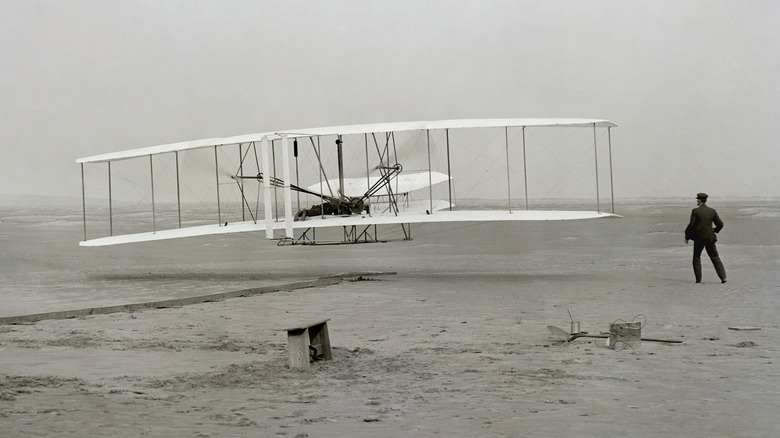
(693, 85)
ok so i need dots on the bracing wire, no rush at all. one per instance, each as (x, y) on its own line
(568, 172)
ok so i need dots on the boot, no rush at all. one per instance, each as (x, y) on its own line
(719, 269)
(697, 268)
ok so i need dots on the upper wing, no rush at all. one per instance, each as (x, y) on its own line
(346, 130)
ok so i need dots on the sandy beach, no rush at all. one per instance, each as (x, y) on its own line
(451, 341)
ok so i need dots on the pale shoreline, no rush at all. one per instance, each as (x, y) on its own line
(455, 344)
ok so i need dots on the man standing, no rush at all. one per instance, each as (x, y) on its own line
(702, 233)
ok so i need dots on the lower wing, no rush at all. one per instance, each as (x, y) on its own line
(433, 215)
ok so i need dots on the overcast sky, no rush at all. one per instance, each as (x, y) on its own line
(692, 84)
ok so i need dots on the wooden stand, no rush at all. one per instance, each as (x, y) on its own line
(308, 342)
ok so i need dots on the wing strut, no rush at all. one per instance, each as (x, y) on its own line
(297, 177)
(525, 172)
(368, 179)
(241, 183)
(83, 201)
(596, 156)
(340, 154)
(273, 167)
(508, 181)
(154, 214)
(449, 170)
(178, 188)
(288, 217)
(269, 224)
(430, 182)
(110, 204)
(611, 184)
(216, 172)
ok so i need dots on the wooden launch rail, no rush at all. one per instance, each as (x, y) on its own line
(178, 302)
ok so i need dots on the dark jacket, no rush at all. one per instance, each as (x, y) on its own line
(700, 226)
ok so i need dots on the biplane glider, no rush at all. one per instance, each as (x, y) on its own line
(353, 179)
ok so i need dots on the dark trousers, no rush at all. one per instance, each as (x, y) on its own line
(712, 251)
